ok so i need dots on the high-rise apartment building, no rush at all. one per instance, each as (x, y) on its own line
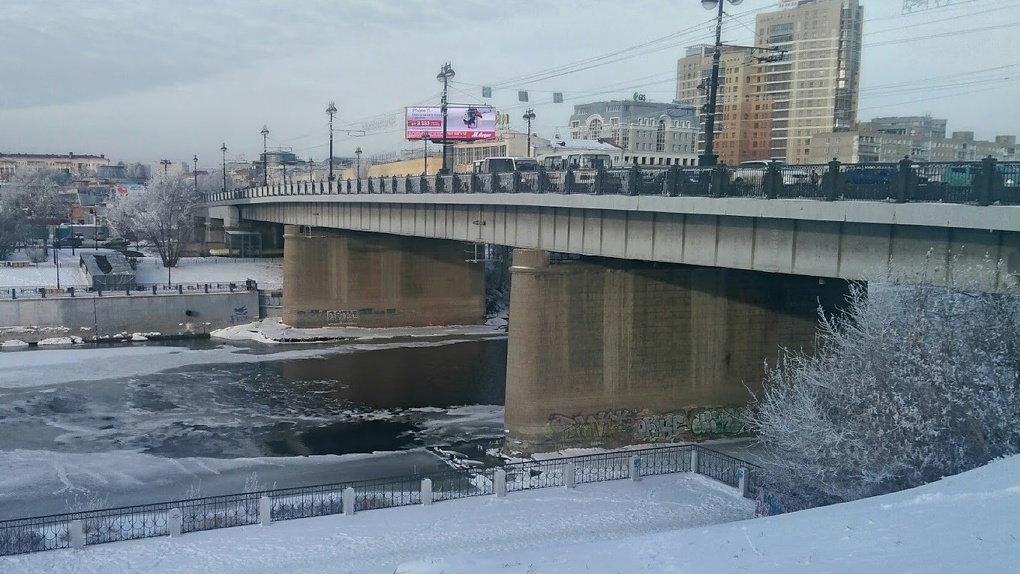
(813, 88)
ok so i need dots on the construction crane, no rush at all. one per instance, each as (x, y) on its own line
(916, 5)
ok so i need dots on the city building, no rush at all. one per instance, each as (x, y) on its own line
(79, 166)
(920, 138)
(743, 127)
(649, 133)
(812, 88)
(507, 143)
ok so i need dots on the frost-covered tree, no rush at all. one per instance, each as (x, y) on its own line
(910, 384)
(33, 195)
(163, 215)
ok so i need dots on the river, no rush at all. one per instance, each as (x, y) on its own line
(110, 426)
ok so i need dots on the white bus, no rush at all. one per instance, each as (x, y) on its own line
(505, 164)
(580, 154)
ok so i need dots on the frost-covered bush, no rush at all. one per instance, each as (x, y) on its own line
(910, 384)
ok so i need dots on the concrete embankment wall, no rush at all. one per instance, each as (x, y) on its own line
(91, 317)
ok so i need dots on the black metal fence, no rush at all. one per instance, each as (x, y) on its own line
(984, 182)
(26, 535)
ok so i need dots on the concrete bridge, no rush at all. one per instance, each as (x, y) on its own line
(691, 279)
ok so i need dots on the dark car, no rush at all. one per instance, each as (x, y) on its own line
(870, 175)
(67, 242)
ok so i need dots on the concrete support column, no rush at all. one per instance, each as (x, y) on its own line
(351, 278)
(611, 352)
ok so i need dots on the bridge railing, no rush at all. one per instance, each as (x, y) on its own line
(984, 182)
(78, 529)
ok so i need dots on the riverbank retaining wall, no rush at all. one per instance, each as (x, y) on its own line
(112, 316)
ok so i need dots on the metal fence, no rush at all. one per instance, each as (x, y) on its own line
(77, 529)
(984, 182)
(35, 292)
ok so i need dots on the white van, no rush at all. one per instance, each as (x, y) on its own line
(753, 172)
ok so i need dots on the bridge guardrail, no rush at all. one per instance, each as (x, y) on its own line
(984, 182)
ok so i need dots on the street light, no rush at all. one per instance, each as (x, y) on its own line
(265, 156)
(194, 172)
(224, 150)
(166, 163)
(709, 157)
(331, 110)
(445, 74)
(528, 116)
(357, 152)
(425, 145)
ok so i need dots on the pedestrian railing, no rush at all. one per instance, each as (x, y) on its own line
(983, 182)
(43, 292)
(78, 529)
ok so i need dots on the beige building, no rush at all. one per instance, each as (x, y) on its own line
(507, 143)
(76, 165)
(875, 142)
(812, 89)
(743, 127)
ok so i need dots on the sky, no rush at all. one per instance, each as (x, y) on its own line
(143, 80)
(673, 524)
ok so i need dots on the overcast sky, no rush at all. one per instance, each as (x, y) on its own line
(142, 80)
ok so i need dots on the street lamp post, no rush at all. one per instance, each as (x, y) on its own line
(224, 150)
(265, 156)
(194, 172)
(709, 158)
(425, 153)
(331, 110)
(528, 116)
(357, 152)
(166, 164)
(445, 74)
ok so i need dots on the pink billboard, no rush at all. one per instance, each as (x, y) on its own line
(464, 123)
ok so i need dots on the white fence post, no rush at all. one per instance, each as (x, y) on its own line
(568, 475)
(694, 460)
(76, 532)
(426, 491)
(175, 522)
(265, 511)
(349, 500)
(635, 468)
(500, 486)
(743, 484)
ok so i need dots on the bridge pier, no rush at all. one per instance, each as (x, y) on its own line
(612, 352)
(352, 278)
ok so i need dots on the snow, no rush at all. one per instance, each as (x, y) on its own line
(268, 273)
(667, 524)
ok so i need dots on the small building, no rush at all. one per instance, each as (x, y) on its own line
(109, 271)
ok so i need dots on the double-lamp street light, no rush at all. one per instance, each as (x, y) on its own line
(709, 158)
(224, 150)
(265, 156)
(445, 74)
(331, 110)
(528, 116)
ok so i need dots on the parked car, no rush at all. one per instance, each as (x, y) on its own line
(115, 243)
(67, 242)
(753, 173)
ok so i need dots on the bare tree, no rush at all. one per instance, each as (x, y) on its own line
(910, 385)
(162, 215)
(32, 196)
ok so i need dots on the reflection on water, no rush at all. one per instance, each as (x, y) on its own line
(348, 402)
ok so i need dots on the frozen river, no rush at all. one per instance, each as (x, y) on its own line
(126, 425)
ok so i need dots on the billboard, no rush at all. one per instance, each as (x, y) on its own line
(126, 189)
(463, 123)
